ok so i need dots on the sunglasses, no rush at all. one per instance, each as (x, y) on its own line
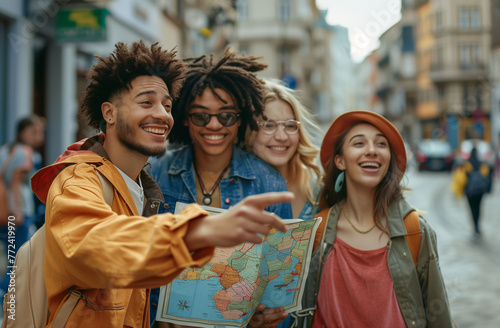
(270, 126)
(225, 119)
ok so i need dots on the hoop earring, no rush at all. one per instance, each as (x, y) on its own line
(339, 183)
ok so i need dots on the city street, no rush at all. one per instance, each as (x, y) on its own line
(470, 267)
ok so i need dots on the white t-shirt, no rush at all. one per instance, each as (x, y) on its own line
(135, 189)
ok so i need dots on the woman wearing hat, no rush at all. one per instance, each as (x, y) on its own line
(363, 274)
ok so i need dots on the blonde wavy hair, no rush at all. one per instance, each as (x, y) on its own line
(304, 163)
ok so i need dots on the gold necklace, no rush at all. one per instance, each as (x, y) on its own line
(352, 225)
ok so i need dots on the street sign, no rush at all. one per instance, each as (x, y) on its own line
(81, 25)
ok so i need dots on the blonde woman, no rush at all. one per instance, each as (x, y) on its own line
(284, 141)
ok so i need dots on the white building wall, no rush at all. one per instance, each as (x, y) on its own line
(18, 68)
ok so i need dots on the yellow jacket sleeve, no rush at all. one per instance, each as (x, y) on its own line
(91, 246)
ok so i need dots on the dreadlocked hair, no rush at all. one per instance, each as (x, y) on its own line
(235, 74)
(114, 73)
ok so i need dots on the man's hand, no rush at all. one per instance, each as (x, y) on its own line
(247, 221)
(265, 318)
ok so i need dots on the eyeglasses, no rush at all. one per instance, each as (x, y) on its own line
(270, 126)
(202, 119)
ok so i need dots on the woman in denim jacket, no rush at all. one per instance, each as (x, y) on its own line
(284, 142)
(216, 105)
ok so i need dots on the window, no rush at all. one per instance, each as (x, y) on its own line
(469, 18)
(471, 56)
(463, 18)
(284, 10)
(244, 49)
(475, 18)
(477, 58)
(285, 59)
(242, 10)
(439, 20)
(465, 56)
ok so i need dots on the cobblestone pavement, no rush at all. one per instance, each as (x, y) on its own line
(470, 265)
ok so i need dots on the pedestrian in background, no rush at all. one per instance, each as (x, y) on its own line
(479, 182)
(362, 273)
(20, 160)
(17, 162)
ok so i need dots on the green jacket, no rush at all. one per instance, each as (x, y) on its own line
(420, 292)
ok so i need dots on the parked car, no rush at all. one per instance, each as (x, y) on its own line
(484, 151)
(434, 155)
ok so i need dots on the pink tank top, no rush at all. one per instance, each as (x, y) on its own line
(356, 290)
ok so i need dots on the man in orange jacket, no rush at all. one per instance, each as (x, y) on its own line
(114, 255)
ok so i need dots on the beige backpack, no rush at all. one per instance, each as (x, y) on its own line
(26, 305)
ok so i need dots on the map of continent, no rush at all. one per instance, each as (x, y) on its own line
(227, 290)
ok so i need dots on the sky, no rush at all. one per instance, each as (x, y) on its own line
(366, 20)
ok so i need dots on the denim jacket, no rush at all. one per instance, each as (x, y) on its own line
(175, 175)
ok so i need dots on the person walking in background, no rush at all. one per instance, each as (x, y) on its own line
(215, 106)
(109, 256)
(479, 182)
(18, 163)
(362, 274)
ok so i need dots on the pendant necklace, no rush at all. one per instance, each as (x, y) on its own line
(207, 196)
(352, 225)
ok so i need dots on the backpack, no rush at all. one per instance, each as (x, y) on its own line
(25, 304)
(4, 203)
(477, 183)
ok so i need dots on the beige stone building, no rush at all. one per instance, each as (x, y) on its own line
(459, 60)
(282, 32)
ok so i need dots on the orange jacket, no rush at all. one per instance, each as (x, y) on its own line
(114, 255)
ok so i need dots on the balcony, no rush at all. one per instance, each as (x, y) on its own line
(291, 34)
(441, 73)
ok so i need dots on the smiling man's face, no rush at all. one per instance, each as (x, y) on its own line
(144, 117)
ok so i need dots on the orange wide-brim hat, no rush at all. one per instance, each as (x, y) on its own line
(346, 120)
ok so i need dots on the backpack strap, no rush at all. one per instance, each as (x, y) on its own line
(107, 189)
(66, 309)
(75, 295)
(319, 232)
(413, 234)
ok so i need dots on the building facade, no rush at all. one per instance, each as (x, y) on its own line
(49, 48)
(459, 62)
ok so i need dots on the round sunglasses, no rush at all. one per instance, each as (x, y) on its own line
(225, 118)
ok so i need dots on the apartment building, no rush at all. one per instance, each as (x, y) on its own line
(495, 73)
(459, 62)
(281, 31)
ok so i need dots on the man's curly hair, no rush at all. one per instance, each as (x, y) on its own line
(114, 73)
(235, 74)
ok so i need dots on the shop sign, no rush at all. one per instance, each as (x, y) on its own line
(81, 25)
